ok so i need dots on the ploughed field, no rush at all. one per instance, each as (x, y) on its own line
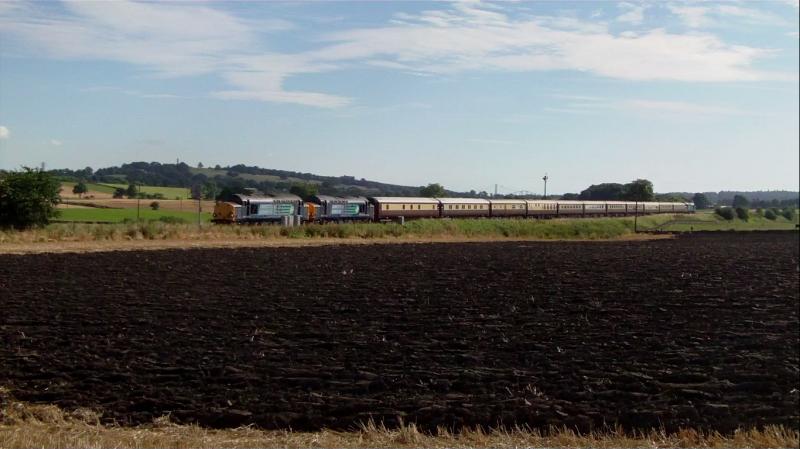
(700, 331)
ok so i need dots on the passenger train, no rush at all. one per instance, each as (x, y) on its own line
(286, 208)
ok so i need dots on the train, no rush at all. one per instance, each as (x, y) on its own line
(291, 209)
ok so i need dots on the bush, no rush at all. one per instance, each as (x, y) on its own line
(742, 213)
(725, 212)
(770, 214)
(154, 205)
(28, 198)
(788, 213)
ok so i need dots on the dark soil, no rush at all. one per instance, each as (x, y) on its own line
(699, 331)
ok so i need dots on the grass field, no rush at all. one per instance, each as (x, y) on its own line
(416, 230)
(119, 215)
(170, 193)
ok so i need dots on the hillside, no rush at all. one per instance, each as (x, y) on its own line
(236, 178)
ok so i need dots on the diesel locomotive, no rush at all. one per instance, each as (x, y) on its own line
(323, 208)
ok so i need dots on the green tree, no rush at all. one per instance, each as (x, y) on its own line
(725, 212)
(80, 188)
(119, 192)
(155, 205)
(434, 190)
(769, 214)
(132, 191)
(28, 198)
(740, 201)
(304, 191)
(209, 190)
(700, 201)
(742, 213)
(788, 213)
(603, 192)
(639, 190)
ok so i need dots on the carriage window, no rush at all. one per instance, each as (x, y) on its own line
(404, 207)
(387, 207)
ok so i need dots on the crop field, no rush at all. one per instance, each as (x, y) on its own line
(698, 331)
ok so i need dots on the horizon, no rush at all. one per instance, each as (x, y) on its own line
(528, 193)
(695, 97)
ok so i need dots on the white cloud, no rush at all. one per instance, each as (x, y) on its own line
(188, 39)
(634, 13)
(4, 133)
(532, 45)
(679, 107)
(168, 40)
(692, 16)
(721, 14)
(56, 142)
(584, 104)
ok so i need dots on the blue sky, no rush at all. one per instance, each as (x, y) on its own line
(692, 95)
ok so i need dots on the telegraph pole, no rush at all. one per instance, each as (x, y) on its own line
(545, 178)
(495, 190)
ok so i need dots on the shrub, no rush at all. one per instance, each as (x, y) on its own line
(725, 212)
(742, 213)
(760, 212)
(154, 205)
(770, 214)
(788, 213)
(28, 198)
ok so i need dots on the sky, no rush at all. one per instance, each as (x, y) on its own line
(692, 95)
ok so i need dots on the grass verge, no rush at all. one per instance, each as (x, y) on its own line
(173, 225)
(561, 229)
(26, 425)
(709, 221)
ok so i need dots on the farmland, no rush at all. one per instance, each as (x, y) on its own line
(578, 334)
(119, 215)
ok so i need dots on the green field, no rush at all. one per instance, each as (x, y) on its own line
(170, 193)
(103, 188)
(119, 215)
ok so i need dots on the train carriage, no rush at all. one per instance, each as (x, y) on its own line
(570, 208)
(594, 208)
(464, 207)
(616, 208)
(541, 208)
(651, 207)
(388, 207)
(508, 208)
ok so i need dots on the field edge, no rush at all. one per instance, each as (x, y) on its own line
(24, 425)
